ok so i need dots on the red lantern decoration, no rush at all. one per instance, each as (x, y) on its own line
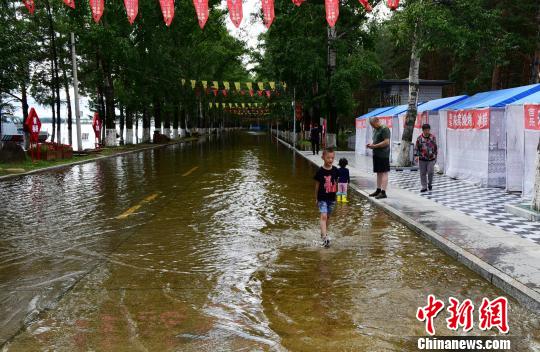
(366, 5)
(332, 11)
(298, 2)
(393, 4)
(97, 7)
(235, 11)
(201, 8)
(70, 3)
(30, 6)
(132, 9)
(268, 12)
(167, 9)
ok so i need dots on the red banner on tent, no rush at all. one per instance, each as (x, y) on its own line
(201, 8)
(532, 117)
(268, 12)
(468, 119)
(366, 5)
(30, 6)
(361, 123)
(393, 4)
(421, 119)
(235, 11)
(332, 11)
(167, 9)
(97, 7)
(298, 2)
(386, 120)
(132, 9)
(70, 3)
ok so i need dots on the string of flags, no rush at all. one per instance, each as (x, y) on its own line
(201, 9)
(253, 89)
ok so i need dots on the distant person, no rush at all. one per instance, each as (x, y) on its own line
(326, 180)
(381, 156)
(343, 180)
(425, 151)
(315, 137)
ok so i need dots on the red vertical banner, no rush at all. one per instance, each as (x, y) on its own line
(70, 3)
(201, 8)
(366, 5)
(298, 110)
(332, 11)
(132, 9)
(532, 116)
(167, 9)
(235, 11)
(393, 4)
(29, 4)
(97, 7)
(268, 12)
(298, 2)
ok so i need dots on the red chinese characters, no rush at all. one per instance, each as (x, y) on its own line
(468, 119)
(461, 314)
(494, 314)
(386, 120)
(429, 312)
(361, 123)
(332, 11)
(201, 8)
(532, 117)
(97, 7)
(268, 12)
(235, 11)
(167, 9)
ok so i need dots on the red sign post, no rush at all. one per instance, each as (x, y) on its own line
(96, 125)
(33, 125)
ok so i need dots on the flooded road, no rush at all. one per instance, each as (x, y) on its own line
(214, 246)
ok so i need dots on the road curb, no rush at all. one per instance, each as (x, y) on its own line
(55, 167)
(523, 294)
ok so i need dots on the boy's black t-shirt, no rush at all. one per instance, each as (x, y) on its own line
(327, 184)
(343, 175)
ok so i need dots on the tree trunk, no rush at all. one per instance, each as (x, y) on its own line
(129, 126)
(68, 106)
(176, 117)
(412, 111)
(146, 127)
(24, 102)
(167, 122)
(331, 138)
(122, 125)
(55, 75)
(536, 79)
(157, 115)
(110, 134)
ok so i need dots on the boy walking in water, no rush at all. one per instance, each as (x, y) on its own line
(326, 180)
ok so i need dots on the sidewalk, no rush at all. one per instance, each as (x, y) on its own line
(465, 221)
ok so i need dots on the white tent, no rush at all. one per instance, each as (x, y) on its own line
(363, 130)
(523, 133)
(429, 113)
(476, 136)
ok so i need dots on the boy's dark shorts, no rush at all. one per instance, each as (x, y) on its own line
(381, 164)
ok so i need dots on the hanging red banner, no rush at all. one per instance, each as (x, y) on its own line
(29, 4)
(201, 8)
(235, 11)
(468, 119)
(215, 92)
(33, 125)
(132, 9)
(224, 92)
(366, 5)
(268, 12)
(298, 2)
(251, 92)
(267, 93)
(260, 93)
(393, 4)
(97, 7)
(70, 3)
(532, 116)
(332, 11)
(167, 9)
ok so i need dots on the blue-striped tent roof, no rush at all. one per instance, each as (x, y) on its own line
(375, 112)
(439, 104)
(529, 99)
(496, 98)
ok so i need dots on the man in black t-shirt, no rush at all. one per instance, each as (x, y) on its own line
(326, 180)
(315, 139)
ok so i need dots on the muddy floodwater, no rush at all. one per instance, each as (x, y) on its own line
(214, 246)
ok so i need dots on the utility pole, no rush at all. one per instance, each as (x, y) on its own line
(294, 117)
(76, 92)
(331, 121)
